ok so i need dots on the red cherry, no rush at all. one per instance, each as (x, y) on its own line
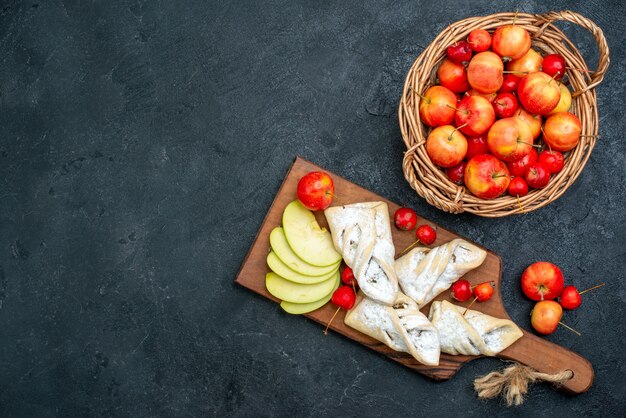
(517, 168)
(461, 290)
(459, 52)
(426, 234)
(570, 298)
(553, 161)
(518, 187)
(476, 145)
(509, 83)
(505, 105)
(483, 291)
(479, 40)
(456, 174)
(536, 176)
(347, 277)
(554, 66)
(344, 297)
(405, 219)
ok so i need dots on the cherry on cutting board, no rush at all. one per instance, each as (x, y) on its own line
(426, 234)
(344, 297)
(484, 291)
(461, 290)
(347, 277)
(405, 219)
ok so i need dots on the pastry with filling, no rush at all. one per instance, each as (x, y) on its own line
(361, 233)
(474, 333)
(401, 326)
(424, 273)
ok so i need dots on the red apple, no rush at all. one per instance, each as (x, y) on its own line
(459, 52)
(529, 63)
(446, 146)
(552, 160)
(476, 145)
(484, 72)
(509, 83)
(486, 176)
(479, 40)
(509, 139)
(456, 173)
(554, 66)
(533, 121)
(453, 76)
(546, 316)
(510, 41)
(517, 168)
(505, 105)
(538, 93)
(562, 131)
(570, 298)
(316, 190)
(474, 115)
(437, 107)
(537, 176)
(542, 280)
(518, 187)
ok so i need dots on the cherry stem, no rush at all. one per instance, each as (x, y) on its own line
(591, 288)
(409, 247)
(331, 320)
(571, 329)
(353, 287)
(469, 306)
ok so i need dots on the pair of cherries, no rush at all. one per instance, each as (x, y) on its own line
(462, 290)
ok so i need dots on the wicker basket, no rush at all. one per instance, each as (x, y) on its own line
(431, 182)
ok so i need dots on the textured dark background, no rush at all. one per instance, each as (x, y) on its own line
(141, 144)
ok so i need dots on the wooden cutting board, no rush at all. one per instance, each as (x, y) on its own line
(530, 350)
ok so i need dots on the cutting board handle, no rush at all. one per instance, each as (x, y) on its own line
(547, 357)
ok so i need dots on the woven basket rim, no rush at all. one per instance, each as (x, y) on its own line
(431, 183)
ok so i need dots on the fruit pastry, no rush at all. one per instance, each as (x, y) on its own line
(424, 273)
(473, 333)
(361, 233)
(401, 326)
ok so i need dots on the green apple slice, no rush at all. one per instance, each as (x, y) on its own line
(305, 237)
(296, 292)
(302, 308)
(278, 267)
(281, 247)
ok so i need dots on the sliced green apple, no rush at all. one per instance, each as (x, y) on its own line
(281, 247)
(296, 292)
(302, 308)
(278, 267)
(306, 238)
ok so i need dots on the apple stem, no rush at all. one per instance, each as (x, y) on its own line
(409, 247)
(331, 320)
(591, 288)
(457, 109)
(553, 77)
(519, 202)
(570, 328)
(515, 72)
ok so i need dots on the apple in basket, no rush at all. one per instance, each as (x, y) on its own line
(453, 76)
(539, 93)
(446, 146)
(529, 63)
(474, 115)
(486, 176)
(437, 106)
(511, 42)
(562, 131)
(509, 139)
(533, 121)
(484, 72)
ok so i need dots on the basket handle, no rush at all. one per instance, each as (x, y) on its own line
(598, 35)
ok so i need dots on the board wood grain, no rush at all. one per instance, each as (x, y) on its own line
(530, 350)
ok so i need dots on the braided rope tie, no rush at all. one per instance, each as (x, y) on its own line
(513, 381)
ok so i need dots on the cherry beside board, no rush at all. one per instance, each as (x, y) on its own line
(530, 350)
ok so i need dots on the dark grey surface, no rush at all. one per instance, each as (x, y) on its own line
(141, 144)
